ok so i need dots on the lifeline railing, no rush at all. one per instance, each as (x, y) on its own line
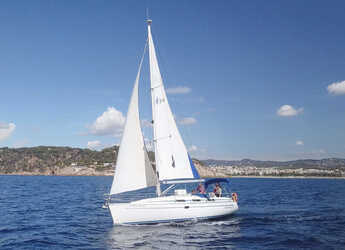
(128, 197)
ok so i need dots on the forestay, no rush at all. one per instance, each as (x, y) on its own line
(133, 168)
(172, 159)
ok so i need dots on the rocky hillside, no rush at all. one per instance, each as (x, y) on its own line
(54, 160)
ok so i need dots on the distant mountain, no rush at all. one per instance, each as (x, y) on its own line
(307, 163)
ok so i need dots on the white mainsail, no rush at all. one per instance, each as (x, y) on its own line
(133, 168)
(172, 159)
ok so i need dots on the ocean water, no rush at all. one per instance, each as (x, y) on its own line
(52, 212)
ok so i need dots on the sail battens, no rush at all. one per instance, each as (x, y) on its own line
(162, 138)
(158, 86)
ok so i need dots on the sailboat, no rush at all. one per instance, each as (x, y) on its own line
(173, 165)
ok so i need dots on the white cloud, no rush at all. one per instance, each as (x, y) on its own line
(94, 144)
(187, 121)
(6, 129)
(179, 90)
(336, 88)
(299, 143)
(192, 148)
(111, 122)
(288, 110)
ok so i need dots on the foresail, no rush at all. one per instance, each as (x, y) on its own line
(133, 168)
(172, 159)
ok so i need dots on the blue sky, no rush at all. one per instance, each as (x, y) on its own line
(246, 79)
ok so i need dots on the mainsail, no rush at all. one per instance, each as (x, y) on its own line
(172, 159)
(133, 168)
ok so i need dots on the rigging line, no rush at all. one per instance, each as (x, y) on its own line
(142, 57)
(141, 62)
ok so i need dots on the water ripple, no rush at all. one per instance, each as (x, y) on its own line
(65, 213)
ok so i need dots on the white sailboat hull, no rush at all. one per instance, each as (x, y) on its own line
(171, 209)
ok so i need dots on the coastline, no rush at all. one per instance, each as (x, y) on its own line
(288, 177)
(236, 176)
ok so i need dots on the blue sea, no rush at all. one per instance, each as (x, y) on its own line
(55, 212)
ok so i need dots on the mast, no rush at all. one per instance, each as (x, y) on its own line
(158, 187)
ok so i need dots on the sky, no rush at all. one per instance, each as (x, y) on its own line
(245, 79)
